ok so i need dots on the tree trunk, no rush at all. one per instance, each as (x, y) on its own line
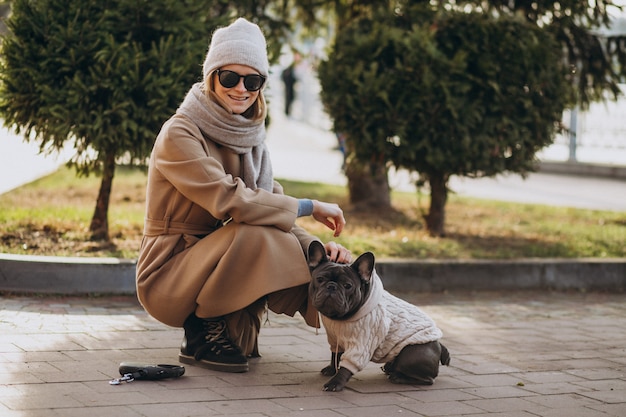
(99, 227)
(368, 185)
(436, 217)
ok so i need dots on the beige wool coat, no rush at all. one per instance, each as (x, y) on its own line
(189, 261)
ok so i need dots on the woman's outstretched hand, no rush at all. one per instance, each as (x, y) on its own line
(329, 214)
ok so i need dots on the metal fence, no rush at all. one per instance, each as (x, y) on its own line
(598, 135)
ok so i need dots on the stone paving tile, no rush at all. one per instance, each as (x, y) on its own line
(514, 354)
(380, 410)
(616, 410)
(506, 414)
(308, 413)
(319, 402)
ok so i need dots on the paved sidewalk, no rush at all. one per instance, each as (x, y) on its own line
(514, 354)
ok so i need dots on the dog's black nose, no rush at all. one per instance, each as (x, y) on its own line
(331, 286)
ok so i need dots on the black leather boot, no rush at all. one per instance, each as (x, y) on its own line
(207, 344)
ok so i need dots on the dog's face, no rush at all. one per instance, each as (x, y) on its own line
(338, 290)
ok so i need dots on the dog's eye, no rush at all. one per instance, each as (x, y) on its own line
(347, 285)
(320, 280)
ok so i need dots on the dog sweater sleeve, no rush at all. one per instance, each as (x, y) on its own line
(360, 339)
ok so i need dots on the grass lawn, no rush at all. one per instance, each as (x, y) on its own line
(51, 217)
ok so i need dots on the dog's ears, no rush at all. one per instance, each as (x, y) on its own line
(364, 265)
(317, 254)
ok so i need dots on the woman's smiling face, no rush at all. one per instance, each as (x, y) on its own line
(237, 98)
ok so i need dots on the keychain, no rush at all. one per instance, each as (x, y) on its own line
(131, 371)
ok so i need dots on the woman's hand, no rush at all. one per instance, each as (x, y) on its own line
(329, 214)
(337, 253)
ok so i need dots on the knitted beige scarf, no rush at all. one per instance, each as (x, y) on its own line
(241, 135)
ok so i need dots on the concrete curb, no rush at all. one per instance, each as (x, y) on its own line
(64, 275)
(518, 274)
(617, 172)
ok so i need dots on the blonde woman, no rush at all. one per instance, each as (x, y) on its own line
(221, 242)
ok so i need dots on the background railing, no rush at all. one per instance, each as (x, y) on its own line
(598, 135)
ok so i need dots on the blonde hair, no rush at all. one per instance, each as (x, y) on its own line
(258, 110)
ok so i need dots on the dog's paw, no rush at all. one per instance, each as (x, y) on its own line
(329, 371)
(398, 378)
(332, 387)
(339, 381)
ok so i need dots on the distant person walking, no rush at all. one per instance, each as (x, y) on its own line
(289, 80)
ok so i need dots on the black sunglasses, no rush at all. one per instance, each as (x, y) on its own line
(229, 79)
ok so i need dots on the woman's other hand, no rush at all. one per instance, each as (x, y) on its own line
(337, 253)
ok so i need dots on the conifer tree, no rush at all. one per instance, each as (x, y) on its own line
(100, 75)
(469, 88)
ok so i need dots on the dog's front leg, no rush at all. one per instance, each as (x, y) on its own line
(331, 369)
(339, 381)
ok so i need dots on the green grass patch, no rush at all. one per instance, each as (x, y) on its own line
(51, 217)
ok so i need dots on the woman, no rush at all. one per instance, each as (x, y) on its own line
(220, 241)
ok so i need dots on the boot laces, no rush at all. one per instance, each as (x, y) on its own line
(217, 333)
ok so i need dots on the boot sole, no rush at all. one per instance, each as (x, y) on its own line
(214, 366)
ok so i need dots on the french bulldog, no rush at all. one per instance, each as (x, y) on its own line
(366, 323)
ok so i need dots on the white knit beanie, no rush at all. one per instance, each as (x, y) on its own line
(240, 43)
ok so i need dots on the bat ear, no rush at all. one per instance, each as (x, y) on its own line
(317, 254)
(364, 266)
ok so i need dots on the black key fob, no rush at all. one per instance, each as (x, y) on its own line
(143, 371)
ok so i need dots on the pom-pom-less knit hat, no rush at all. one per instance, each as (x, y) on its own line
(240, 43)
